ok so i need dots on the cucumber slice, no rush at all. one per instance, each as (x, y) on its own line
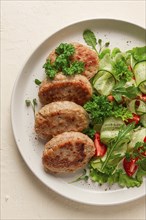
(137, 136)
(110, 129)
(143, 120)
(140, 109)
(131, 106)
(140, 75)
(104, 82)
(142, 87)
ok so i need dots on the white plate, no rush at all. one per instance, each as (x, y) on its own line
(120, 34)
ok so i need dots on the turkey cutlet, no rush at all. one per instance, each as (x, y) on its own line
(58, 117)
(67, 152)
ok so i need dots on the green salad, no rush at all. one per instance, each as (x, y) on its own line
(117, 112)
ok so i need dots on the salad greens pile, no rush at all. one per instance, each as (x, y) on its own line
(117, 112)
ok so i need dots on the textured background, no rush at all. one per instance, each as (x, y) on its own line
(25, 24)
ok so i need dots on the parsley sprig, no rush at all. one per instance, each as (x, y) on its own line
(100, 108)
(63, 62)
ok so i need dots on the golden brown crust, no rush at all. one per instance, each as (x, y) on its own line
(89, 57)
(67, 152)
(63, 88)
(58, 117)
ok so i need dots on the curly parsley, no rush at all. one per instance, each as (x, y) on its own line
(100, 108)
(63, 62)
(66, 49)
(50, 69)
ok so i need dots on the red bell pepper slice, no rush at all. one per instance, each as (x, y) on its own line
(136, 119)
(130, 166)
(100, 147)
(111, 98)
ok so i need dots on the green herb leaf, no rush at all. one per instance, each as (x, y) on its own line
(27, 102)
(97, 176)
(50, 69)
(126, 181)
(90, 132)
(115, 51)
(37, 82)
(100, 108)
(107, 44)
(104, 52)
(140, 174)
(114, 178)
(121, 112)
(61, 62)
(76, 67)
(66, 49)
(100, 41)
(34, 102)
(90, 39)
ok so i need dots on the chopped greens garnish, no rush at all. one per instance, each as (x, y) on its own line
(37, 82)
(27, 102)
(63, 62)
(90, 132)
(50, 69)
(100, 108)
(66, 49)
(76, 67)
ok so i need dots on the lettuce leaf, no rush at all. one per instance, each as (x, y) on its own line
(140, 174)
(99, 177)
(139, 53)
(121, 71)
(115, 63)
(104, 52)
(126, 181)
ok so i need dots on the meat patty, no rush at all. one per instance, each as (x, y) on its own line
(58, 117)
(67, 152)
(84, 54)
(65, 88)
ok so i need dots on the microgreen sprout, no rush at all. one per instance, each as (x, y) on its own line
(32, 103)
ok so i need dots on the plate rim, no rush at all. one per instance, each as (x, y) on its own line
(12, 101)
